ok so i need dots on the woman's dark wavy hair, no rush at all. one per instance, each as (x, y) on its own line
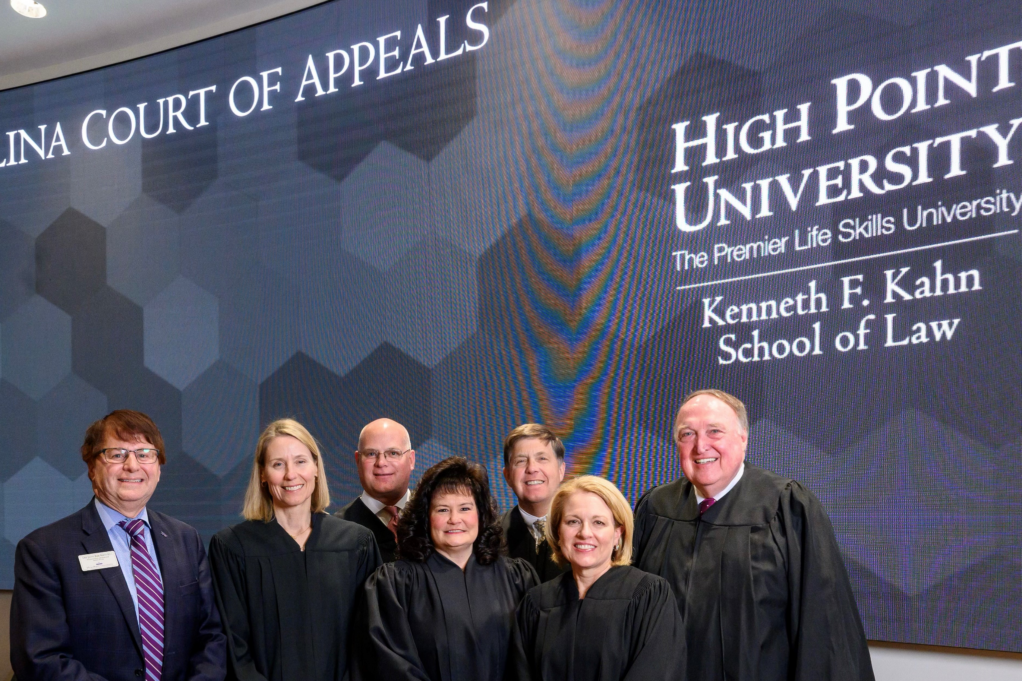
(452, 475)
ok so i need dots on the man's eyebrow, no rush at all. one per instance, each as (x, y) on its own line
(714, 424)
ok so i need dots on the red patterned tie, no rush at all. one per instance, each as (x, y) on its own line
(149, 590)
(395, 515)
(705, 504)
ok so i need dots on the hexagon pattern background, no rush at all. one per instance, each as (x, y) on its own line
(487, 239)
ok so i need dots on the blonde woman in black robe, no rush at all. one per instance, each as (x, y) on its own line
(604, 620)
(287, 579)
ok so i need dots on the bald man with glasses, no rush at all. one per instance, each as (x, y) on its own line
(385, 461)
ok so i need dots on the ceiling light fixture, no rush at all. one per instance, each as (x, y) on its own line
(29, 8)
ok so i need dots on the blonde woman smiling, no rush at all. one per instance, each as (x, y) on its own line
(287, 578)
(604, 620)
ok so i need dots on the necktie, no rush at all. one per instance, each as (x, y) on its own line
(149, 590)
(395, 515)
(705, 504)
(540, 532)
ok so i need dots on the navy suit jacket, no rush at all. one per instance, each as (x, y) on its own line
(358, 512)
(69, 624)
(521, 544)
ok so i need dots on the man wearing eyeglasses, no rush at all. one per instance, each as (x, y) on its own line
(385, 460)
(116, 590)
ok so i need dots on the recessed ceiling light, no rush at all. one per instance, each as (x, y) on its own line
(28, 8)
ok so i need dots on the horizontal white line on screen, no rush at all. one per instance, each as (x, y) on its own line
(848, 260)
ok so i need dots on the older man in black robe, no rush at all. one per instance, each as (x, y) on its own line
(752, 559)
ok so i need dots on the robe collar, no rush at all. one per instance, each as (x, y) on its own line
(290, 543)
(730, 486)
(441, 564)
(608, 581)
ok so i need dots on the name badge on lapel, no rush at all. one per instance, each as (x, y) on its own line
(98, 561)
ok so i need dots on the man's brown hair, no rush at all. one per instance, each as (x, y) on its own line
(528, 430)
(125, 424)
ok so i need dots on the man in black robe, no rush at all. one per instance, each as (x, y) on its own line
(752, 559)
(385, 460)
(533, 468)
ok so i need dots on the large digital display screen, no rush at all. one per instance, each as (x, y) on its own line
(467, 215)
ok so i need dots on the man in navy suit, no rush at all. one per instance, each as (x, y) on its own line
(116, 591)
(385, 461)
(533, 469)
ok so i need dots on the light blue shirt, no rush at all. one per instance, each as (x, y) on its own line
(121, 541)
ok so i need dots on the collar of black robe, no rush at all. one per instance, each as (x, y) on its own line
(753, 501)
(441, 564)
(568, 593)
(723, 493)
(310, 543)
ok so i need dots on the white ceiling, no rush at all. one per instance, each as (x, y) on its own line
(78, 35)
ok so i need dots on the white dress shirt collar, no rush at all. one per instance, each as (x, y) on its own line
(376, 506)
(530, 519)
(720, 495)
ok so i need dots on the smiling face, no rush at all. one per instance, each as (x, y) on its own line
(711, 443)
(289, 472)
(588, 533)
(533, 471)
(385, 480)
(454, 524)
(124, 487)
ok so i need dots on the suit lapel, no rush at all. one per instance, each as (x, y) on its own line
(370, 517)
(95, 540)
(520, 540)
(384, 537)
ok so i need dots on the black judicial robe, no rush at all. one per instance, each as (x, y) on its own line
(434, 621)
(521, 544)
(286, 612)
(759, 579)
(358, 512)
(627, 628)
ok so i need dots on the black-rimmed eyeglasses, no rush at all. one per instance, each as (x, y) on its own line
(119, 455)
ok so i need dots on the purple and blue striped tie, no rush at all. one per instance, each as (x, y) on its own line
(149, 590)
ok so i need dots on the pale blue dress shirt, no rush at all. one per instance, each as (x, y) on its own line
(121, 542)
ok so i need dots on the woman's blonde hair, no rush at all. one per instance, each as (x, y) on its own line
(615, 501)
(258, 502)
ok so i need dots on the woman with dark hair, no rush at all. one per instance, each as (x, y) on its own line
(287, 579)
(445, 609)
